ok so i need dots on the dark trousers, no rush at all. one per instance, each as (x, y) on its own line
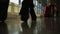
(24, 12)
(3, 10)
(32, 13)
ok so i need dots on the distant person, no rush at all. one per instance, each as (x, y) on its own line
(27, 7)
(3, 9)
(50, 9)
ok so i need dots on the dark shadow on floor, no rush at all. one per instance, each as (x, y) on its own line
(3, 28)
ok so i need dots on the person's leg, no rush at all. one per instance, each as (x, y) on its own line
(33, 15)
(3, 12)
(24, 14)
(24, 17)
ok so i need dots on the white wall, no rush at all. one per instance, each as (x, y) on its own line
(14, 9)
(15, 1)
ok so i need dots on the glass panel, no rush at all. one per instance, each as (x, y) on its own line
(38, 8)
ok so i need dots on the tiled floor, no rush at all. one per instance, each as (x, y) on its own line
(41, 26)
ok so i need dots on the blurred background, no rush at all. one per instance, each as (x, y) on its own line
(15, 6)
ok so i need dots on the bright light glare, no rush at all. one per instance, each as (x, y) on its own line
(15, 1)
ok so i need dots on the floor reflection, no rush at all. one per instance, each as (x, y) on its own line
(26, 29)
(49, 25)
(3, 28)
(58, 25)
(41, 26)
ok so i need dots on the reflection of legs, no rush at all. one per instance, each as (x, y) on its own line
(33, 28)
(32, 14)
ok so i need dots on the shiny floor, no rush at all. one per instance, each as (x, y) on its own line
(41, 26)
